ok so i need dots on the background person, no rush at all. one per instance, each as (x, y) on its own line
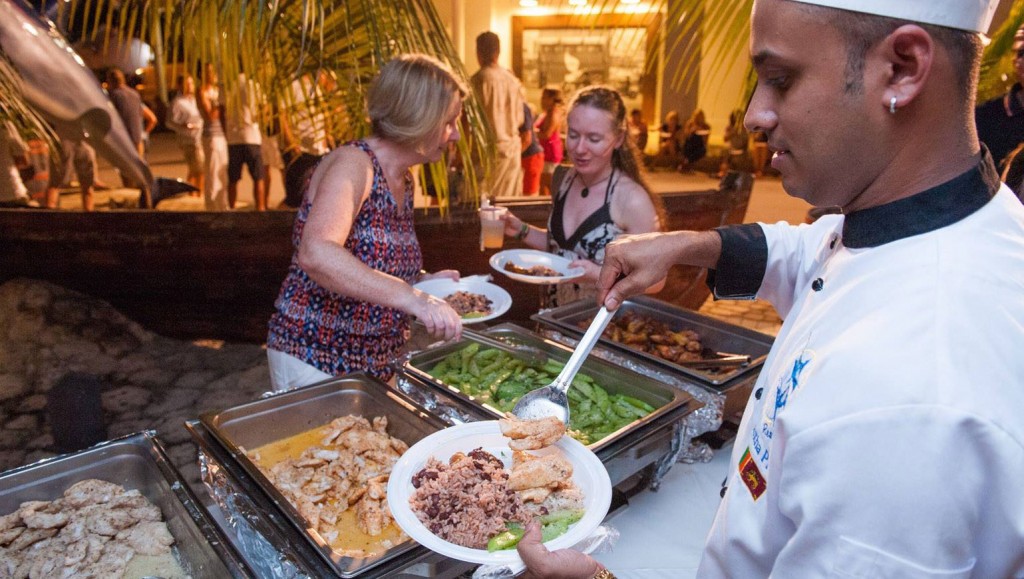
(13, 151)
(244, 140)
(849, 461)
(638, 129)
(501, 97)
(128, 104)
(184, 119)
(346, 303)
(696, 132)
(550, 124)
(600, 198)
(532, 155)
(1001, 120)
(215, 144)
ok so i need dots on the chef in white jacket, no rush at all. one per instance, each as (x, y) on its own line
(885, 434)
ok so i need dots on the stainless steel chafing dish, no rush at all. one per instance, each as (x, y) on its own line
(225, 433)
(624, 452)
(134, 462)
(715, 334)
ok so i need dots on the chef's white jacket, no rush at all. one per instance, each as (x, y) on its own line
(884, 435)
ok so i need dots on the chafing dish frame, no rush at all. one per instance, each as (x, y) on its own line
(715, 334)
(136, 461)
(374, 396)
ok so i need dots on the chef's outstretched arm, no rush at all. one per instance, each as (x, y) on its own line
(634, 263)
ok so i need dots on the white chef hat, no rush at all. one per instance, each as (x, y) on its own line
(970, 15)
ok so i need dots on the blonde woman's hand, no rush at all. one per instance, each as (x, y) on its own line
(591, 271)
(452, 274)
(437, 316)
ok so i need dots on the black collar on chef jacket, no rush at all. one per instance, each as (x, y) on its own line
(744, 258)
(926, 211)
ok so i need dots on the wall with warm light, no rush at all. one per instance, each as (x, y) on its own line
(466, 19)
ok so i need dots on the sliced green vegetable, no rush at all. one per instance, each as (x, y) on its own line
(506, 539)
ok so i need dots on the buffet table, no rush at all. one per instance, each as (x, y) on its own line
(663, 532)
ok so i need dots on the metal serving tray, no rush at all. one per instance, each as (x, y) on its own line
(134, 462)
(715, 334)
(254, 424)
(614, 379)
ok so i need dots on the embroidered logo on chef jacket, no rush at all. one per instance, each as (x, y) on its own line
(751, 476)
(775, 401)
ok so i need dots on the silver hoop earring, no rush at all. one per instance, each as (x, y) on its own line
(892, 105)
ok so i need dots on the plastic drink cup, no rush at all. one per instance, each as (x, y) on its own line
(492, 227)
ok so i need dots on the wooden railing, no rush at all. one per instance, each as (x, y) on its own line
(216, 275)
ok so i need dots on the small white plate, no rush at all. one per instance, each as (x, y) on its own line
(587, 472)
(501, 301)
(532, 257)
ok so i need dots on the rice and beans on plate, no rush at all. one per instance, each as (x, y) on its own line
(473, 501)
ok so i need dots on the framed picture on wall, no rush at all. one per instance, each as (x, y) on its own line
(570, 52)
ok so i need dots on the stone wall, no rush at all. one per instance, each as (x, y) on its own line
(148, 381)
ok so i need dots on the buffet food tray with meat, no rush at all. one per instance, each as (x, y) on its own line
(304, 490)
(685, 342)
(92, 513)
(639, 441)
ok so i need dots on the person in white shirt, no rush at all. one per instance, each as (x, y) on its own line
(13, 192)
(244, 142)
(883, 437)
(187, 123)
(501, 96)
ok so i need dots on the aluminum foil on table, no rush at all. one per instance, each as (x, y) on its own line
(247, 526)
(685, 447)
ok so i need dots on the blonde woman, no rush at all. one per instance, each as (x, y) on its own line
(348, 299)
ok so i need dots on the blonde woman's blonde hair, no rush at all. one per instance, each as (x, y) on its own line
(411, 98)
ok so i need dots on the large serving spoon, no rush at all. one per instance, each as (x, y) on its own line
(551, 399)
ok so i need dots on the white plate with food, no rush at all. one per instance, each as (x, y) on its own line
(475, 300)
(588, 476)
(532, 266)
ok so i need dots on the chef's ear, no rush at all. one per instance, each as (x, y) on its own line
(907, 56)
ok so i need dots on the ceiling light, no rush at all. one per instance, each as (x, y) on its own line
(528, 3)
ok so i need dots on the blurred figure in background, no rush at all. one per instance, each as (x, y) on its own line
(215, 144)
(244, 141)
(737, 142)
(638, 129)
(184, 119)
(550, 124)
(532, 156)
(696, 132)
(759, 152)
(501, 97)
(13, 152)
(1001, 120)
(128, 104)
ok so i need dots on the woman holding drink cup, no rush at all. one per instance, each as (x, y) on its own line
(347, 301)
(602, 196)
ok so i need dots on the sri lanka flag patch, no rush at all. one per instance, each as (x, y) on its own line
(751, 476)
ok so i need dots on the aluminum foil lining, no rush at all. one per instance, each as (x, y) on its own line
(705, 419)
(247, 526)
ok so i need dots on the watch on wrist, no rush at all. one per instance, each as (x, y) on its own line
(524, 230)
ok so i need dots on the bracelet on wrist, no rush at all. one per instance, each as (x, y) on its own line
(523, 232)
(604, 574)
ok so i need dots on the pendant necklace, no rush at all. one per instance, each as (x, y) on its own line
(586, 188)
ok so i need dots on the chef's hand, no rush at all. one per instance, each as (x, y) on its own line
(561, 564)
(633, 263)
(591, 271)
(452, 274)
(440, 319)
